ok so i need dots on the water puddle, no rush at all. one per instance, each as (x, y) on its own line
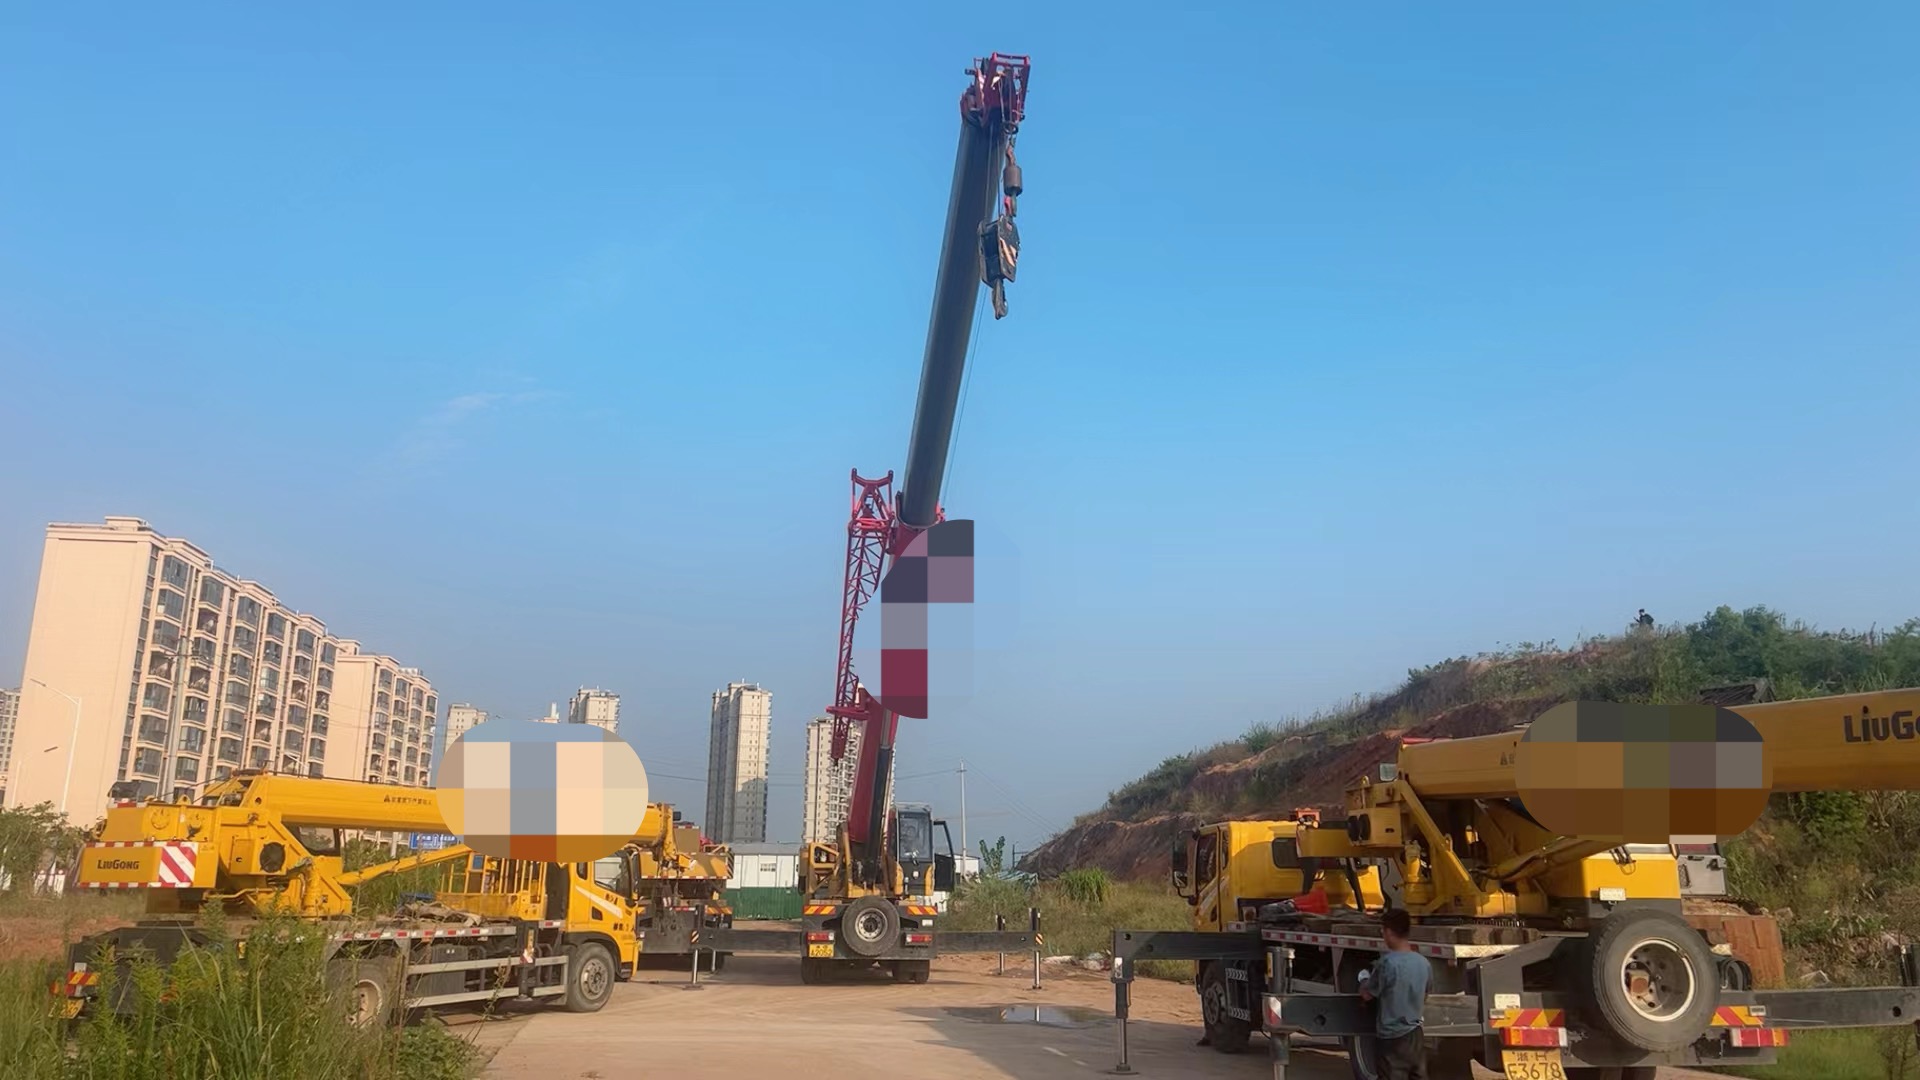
(1065, 1016)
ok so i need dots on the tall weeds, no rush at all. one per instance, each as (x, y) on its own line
(265, 1011)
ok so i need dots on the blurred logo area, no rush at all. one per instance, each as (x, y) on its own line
(948, 595)
(549, 792)
(1643, 774)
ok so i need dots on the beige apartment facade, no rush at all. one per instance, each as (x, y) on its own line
(737, 764)
(601, 708)
(384, 718)
(9, 714)
(146, 663)
(463, 718)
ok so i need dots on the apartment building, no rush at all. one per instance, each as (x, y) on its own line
(737, 764)
(601, 708)
(9, 712)
(383, 720)
(827, 786)
(147, 663)
(462, 719)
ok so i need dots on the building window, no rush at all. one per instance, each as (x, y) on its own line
(239, 666)
(244, 639)
(325, 679)
(382, 701)
(186, 768)
(319, 725)
(321, 699)
(379, 741)
(426, 762)
(293, 741)
(257, 758)
(166, 635)
(409, 774)
(156, 696)
(173, 572)
(195, 710)
(433, 704)
(400, 689)
(315, 769)
(173, 605)
(386, 680)
(206, 620)
(303, 642)
(277, 626)
(203, 649)
(146, 761)
(303, 667)
(153, 729)
(419, 698)
(413, 756)
(200, 680)
(230, 750)
(236, 693)
(221, 772)
(267, 705)
(271, 679)
(272, 652)
(316, 748)
(247, 610)
(192, 739)
(233, 722)
(296, 716)
(160, 665)
(212, 592)
(326, 653)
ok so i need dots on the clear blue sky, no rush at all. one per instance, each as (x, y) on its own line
(534, 347)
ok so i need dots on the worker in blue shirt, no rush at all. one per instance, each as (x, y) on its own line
(1396, 985)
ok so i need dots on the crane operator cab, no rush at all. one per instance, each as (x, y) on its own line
(922, 870)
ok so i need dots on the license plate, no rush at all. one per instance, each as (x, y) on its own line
(70, 1008)
(1532, 1065)
(820, 951)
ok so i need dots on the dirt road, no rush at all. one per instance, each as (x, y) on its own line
(756, 1020)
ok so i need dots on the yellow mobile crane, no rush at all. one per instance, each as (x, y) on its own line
(259, 844)
(1552, 956)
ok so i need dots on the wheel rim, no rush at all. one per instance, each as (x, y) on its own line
(593, 977)
(870, 925)
(364, 1002)
(1658, 980)
(1211, 1009)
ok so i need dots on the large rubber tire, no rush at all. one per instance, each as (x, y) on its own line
(590, 977)
(1224, 1033)
(1363, 1053)
(869, 926)
(912, 971)
(813, 972)
(371, 990)
(1615, 1072)
(1652, 980)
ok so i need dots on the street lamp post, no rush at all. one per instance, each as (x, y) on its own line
(73, 741)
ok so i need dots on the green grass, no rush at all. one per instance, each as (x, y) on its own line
(1076, 919)
(217, 1015)
(1856, 1054)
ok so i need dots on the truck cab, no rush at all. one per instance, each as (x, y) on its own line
(1229, 870)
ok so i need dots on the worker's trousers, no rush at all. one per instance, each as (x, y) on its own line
(1403, 1057)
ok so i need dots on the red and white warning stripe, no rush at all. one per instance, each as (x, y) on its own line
(174, 864)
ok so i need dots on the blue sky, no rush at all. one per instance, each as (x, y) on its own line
(534, 347)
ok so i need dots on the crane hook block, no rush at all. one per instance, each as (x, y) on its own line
(999, 257)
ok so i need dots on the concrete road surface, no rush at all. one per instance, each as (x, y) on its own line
(756, 1020)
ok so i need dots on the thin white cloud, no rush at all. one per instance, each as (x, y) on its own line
(438, 434)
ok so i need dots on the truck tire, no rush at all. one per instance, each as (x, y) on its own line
(1363, 1053)
(869, 926)
(912, 971)
(1224, 1033)
(590, 976)
(370, 989)
(813, 972)
(1652, 980)
(1614, 1072)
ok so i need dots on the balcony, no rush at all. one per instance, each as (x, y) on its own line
(229, 751)
(266, 705)
(257, 758)
(319, 725)
(207, 621)
(199, 680)
(316, 748)
(202, 650)
(160, 664)
(321, 699)
(263, 731)
(297, 689)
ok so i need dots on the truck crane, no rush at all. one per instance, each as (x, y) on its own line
(261, 845)
(869, 892)
(1552, 956)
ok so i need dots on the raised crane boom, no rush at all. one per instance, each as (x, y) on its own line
(977, 247)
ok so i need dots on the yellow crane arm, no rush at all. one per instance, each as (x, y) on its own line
(336, 804)
(1846, 742)
(397, 866)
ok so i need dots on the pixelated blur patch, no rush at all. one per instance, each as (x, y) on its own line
(1643, 773)
(517, 789)
(926, 602)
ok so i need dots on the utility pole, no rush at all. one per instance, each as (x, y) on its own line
(964, 849)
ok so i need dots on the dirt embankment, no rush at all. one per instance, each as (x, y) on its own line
(1298, 771)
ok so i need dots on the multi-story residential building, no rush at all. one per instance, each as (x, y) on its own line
(172, 672)
(9, 713)
(383, 720)
(462, 719)
(737, 764)
(601, 708)
(827, 785)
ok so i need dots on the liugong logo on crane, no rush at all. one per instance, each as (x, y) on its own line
(1869, 728)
